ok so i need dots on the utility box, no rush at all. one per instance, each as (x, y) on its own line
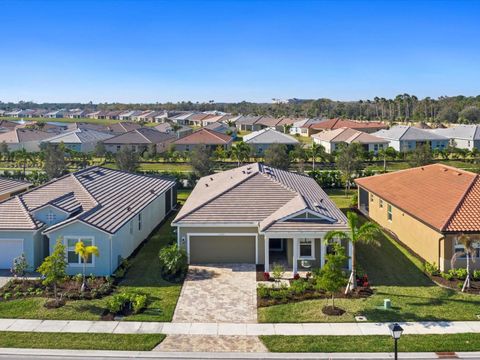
(387, 304)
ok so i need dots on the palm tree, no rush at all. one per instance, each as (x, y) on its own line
(85, 252)
(366, 233)
(316, 150)
(241, 152)
(469, 250)
(22, 156)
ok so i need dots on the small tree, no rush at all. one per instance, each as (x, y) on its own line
(20, 266)
(349, 161)
(241, 152)
(316, 151)
(331, 277)
(85, 252)
(53, 268)
(100, 150)
(201, 161)
(127, 160)
(469, 250)
(173, 261)
(421, 155)
(277, 156)
(4, 151)
(54, 161)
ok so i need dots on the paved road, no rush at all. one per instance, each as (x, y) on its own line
(22, 354)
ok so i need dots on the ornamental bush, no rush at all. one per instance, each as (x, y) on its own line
(173, 262)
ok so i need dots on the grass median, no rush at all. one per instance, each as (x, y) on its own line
(373, 343)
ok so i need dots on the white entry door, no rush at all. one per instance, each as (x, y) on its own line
(9, 250)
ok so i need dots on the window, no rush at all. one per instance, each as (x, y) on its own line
(460, 248)
(380, 203)
(375, 147)
(330, 249)
(75, 259)
(389, 212)
(371, 197)
(140, 221)
(51, 217)
(306, 249)
(119, 147)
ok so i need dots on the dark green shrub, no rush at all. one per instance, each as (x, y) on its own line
(173, 262)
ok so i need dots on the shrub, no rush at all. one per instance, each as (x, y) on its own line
(124, 302)
(476, 274)
(447, 275)
(431, 269)
(266, 276)
(173, 261)
(263, 291)
(296, 276)
(277, 271)
(299, 287)
(20, 266)
(461, 273)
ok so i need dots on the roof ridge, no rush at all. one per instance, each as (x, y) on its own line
(74, 176)
(219, 194)
(25, 210)
(214, 133)
(460, 203)
(140, 133)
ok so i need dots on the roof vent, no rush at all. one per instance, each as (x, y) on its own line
(211, 179)
(206, 185)
(152, 191)
(129, 208)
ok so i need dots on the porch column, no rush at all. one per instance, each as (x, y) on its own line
(267, 254)
(323, 251)
(295, 256)
(350, 252)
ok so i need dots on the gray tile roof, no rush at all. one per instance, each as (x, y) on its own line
(107, 199)
(141, 136)
(466, 132)
(269, 136)
(79, 136)
(402, 132)
(257, 194)
(10, 185)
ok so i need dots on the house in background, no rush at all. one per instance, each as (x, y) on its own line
(139, 140)
(223, 128)
(123, 127)
(426, 208)
(462, 136)
(55, 114)
(247, 123)
(12, 187)
(203, 137)
(331, 140)
(178, 130)
(22, 138)
(111, 209)
(258, 215)
(364, 126)
(304, 127)
(79, 140)
(261, 140)
(407, 138)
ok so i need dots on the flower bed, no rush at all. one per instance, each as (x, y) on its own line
(454, 278)
(69, 288)
(302, 289)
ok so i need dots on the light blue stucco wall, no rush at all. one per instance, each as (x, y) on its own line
(409, 145)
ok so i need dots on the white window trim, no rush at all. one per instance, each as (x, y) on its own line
(78, 237)
(312, 247)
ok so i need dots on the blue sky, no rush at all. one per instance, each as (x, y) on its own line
(157, 51)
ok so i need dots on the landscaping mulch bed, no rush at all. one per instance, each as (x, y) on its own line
(333, 311)
(69, 289)
(456, 284)
(260, 272)
(358, 293)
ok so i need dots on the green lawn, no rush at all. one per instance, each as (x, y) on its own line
(407, 343)
(143, 276)
(339, 198)
(395, 275)
(80, 341)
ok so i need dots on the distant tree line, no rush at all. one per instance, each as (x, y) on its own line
(404, 107)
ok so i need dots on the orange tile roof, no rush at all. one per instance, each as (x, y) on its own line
(444, 197)
(205, 136)
(332, 124)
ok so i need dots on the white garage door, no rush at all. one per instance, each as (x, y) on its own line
(9, 250)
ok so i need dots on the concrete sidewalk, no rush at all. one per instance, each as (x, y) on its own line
(132, 327)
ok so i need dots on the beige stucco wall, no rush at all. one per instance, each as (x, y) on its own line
(422, 239)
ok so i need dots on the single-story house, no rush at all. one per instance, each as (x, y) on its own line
(427, 208)
(55, 114)
(179, 130)
(261, 140)
(23, 138)
(12, 187)
(462, 136)
(129, 115)
(122, 127)
(80, 140)
(223, 128)
(364, 126)
(113, 210)
(406, 138)
(183, 118)
(332, 139)
(259, 215)
(211, 139)
(304, 127)
(76, 114)
(139, 140)
(264, 122)
(247, 123)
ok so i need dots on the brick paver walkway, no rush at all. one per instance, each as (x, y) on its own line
(202, 343)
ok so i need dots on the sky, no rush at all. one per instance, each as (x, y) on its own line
(230, 51)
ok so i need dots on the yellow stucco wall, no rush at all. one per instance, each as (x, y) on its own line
(419, 237)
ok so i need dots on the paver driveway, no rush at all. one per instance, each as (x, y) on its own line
(218, 293)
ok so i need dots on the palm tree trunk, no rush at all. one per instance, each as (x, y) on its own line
(354, 273)
(84, 283)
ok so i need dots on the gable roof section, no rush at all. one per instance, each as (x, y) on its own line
(332, 124)
(466, 132)
(20, 135)
(123, 127)
(256, 194)
(10, 185)
(441, 196)
(348, 136)
(79, 136)
(141, 136)
(403, 132)
(15, 216)
(269, 136)
(205, 136)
